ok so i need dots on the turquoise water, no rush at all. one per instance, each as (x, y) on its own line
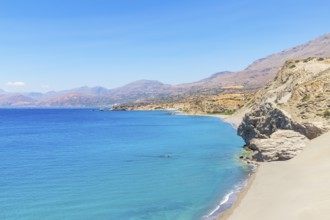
(81, 164)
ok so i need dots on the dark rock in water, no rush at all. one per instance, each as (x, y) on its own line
(171, 113)
(165, 156)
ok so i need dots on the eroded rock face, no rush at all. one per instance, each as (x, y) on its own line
(262, 122)
(281, 145)
(296, 101)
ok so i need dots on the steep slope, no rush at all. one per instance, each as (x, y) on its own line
(213, 81)
(298, 100)
(264, 70)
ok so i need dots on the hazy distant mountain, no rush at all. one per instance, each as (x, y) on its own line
(89, 90)
(212, 81)
(141, 85)
(142, 89)
(34, 95)
(264, 70)
(75, 100)
(254, 76)
(15, 100)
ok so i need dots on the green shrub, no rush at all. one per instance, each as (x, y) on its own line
(308, 59)
(326, 113)
(306, 98)
(227, 112)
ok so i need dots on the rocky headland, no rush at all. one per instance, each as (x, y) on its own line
(289, 111)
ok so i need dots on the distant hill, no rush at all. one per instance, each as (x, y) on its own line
(253, 77)
(85, 90)
(142, 89)
(15, 100)
(73, 99)
(264, 70)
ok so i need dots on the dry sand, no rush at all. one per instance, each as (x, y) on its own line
(298, 189)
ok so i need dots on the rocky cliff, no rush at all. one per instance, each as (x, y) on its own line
(294, 106)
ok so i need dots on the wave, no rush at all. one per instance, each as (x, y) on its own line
(229, 199)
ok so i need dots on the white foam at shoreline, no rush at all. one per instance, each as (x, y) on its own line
(229, 198)
(225, 199)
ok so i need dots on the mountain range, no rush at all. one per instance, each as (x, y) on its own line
(254, 76)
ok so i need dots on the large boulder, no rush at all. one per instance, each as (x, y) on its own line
(263, 121)
(281, 145)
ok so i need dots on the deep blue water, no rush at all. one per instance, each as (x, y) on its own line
(79, 164)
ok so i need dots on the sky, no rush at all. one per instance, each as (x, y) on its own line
(62, 44)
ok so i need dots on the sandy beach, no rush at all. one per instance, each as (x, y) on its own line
(298, 189)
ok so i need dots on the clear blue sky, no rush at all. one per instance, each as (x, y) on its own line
(62, 44)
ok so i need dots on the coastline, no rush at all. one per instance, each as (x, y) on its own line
(232, 198)
(240, 195)
(234, 120)
(297, 189)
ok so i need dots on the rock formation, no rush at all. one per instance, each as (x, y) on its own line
(298, 100)
(282, 145)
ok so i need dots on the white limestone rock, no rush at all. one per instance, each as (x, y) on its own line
(282, 145)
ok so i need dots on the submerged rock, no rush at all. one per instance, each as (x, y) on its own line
(165, 156)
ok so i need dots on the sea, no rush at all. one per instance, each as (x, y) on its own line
(83, 164)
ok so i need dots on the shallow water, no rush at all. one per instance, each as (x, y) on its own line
(83, 164)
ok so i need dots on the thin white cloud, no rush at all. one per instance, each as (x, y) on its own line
(16, 84)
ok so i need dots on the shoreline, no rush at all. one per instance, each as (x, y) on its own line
(230, 200)
(234, 121)
(296, 189)
(240, 195)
